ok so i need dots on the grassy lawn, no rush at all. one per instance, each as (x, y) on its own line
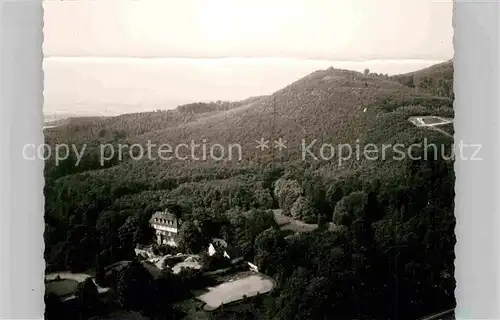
(62, 288)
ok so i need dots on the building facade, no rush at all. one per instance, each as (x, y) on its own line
(166, 226)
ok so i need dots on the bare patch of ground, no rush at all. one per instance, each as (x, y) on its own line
(289, 224)
(236, 288)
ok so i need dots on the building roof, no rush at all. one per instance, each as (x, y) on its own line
(164, 218)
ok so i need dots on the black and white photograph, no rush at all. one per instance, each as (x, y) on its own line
(272, 160)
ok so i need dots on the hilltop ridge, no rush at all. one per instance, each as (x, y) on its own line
(332, 106)
(436, 79)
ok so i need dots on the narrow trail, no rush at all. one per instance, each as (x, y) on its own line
(441, 130)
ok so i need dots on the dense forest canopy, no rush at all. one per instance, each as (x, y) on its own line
(390, 253)
(204, 107)
(437, 79)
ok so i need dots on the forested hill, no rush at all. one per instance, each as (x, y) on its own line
(337, 106)
(437, 79)
(205, 107)
(384, 209)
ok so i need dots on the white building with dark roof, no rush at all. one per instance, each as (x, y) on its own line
(166, 227)
(218, 245)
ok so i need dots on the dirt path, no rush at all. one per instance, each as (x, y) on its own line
(441, 130)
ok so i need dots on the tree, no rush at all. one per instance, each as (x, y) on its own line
(270, 250)
(209, 223)
(335, 192)
(296, 211)
(80, 249)
(87, 298)
(107, 227)
(303, 209)
(100, 275)
(216, 261)
(191, 240)
(247, 226)
(287, 192)
(175, 209)
(410, 82)
(130, 234)
(164, 291)
(143, 235)
(269, 177)
(126, 233)
(350, 208)
(315, 191)
(53, 307)
(133, 286)
(366, 73)
(287, 304)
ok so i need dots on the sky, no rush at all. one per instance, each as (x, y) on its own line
(158, 53)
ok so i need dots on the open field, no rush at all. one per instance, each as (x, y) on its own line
(236, 289)
(288, 223)
(73, 277)
(62, 288)
(78, 277)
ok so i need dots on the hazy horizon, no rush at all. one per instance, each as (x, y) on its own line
(319, 29)
(117, 56)
(111, 86)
